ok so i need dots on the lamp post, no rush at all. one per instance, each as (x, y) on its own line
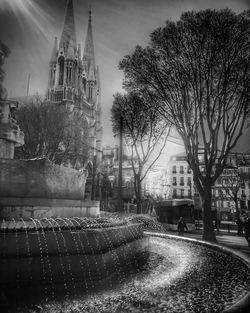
(93, 179)
(93, 189)
(119, 195)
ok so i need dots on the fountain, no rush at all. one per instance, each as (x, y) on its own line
(50, 236)
(35, 188)
(57, 255)
(115, 264)
(64, 255)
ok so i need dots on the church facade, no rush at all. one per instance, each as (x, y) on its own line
(74, 79)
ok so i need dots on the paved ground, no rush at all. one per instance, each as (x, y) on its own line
(230, 240)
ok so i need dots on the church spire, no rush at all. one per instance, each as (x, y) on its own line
(53, 58)
(68, 38)
(89, 55)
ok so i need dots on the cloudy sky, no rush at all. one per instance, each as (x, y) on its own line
(28, 27)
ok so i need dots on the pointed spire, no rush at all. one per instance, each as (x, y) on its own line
(91, 72)
(68, 38)
(90, 14)
(79, 56)
(89, 55)
(53, 58)
(98, 80)
(79, 52)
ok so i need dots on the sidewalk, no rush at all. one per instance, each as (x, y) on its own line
(224, 238)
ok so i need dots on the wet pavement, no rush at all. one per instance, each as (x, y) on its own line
(230, 240)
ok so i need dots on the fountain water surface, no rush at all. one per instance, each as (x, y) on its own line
(50, 258)
(108, 265)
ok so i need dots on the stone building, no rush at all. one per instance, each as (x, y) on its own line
(74, 80)
(231, 192)
(178, 183)
(180, 178)
(110, 166)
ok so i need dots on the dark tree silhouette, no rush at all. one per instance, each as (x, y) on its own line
(144, 131)
(197, 70)
(54, 132)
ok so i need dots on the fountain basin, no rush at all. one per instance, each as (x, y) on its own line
(179, 276)
(69, 255)
(85, 268)
(84, 241)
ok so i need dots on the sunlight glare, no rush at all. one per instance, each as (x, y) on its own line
(30, 11)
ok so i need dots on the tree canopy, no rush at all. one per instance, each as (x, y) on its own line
(198, 72)
(53, 131)
(144, 130)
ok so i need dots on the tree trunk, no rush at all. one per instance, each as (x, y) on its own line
(138, 194)
(119, 196)
(93, 179)
(208, 227)
(238, 213)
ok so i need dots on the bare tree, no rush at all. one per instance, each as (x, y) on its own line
(54, 132)
(144, 132)
(197, 70)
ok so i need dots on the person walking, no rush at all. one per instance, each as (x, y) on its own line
(247, 230)
(181, 226)
(240, 225)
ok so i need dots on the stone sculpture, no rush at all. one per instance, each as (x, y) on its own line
(10, 134)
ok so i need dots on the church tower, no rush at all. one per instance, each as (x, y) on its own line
(65, 67)
(91, 83)
(74, 78)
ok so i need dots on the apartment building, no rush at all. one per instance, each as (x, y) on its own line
(179, 180)
(231, 192)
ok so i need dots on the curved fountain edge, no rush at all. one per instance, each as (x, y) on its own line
(244, 301)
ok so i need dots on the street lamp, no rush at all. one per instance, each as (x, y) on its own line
(119, 198)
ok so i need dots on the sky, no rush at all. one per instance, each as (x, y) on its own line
(28, 27)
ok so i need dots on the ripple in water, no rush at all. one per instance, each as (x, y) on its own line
(178, 277)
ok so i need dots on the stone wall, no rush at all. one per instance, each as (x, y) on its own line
(40, 178)
(38, 188)
(54, 208)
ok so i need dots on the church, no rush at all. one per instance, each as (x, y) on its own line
(74, 80)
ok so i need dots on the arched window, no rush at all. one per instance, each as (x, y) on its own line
(53, 74)
(61, 70)
(84, 83)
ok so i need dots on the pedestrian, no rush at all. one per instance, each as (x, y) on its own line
(181, 226)
(239, 227)
(151, 208)
(247, 230)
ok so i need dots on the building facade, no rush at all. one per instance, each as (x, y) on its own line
(231, 192)
(235, 179)
(110, 167)
(74, 79)
(179, 180)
